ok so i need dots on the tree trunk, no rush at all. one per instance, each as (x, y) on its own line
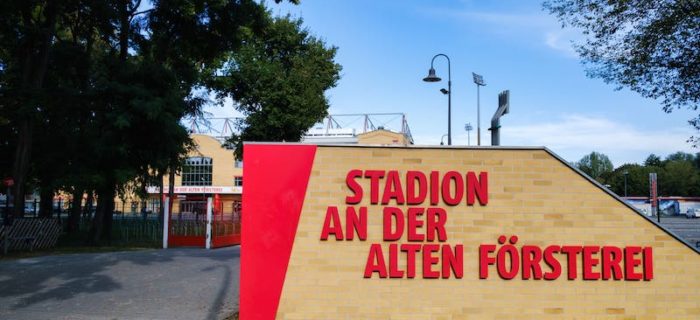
(102, 222)
(171, 187)
(74, 216)
(107, 219)
(87, 210)
(21, 165)
(36, 60)
(96, 226)
(46, 202)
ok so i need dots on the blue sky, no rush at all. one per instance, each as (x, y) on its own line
(385, 48)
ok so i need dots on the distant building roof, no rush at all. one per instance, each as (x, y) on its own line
(383, 137)
(369, 128)
(366, 128)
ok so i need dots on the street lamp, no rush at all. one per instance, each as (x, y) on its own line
(626, 173)
(433, 78)
(479, 81)
(469, 128)
(441, 139)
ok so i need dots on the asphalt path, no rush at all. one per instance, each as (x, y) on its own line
(151, 284)
(687, 229)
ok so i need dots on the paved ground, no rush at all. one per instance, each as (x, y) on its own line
(152, 284)
(688, 229)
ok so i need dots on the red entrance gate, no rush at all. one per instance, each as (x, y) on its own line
(188, 224)
(226, 224)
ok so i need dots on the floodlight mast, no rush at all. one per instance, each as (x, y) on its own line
(479, 81)
(468, 127)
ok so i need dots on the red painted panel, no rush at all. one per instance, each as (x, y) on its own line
(276, 176)
(186, 241)
(225, 241)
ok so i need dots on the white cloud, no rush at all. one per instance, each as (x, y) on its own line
(577, 135)
(500, 19)
(561, 40)
(509, 20)
(517, 25)
(573, 136)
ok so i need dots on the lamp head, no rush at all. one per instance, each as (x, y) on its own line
(478, 79)
(444, 91)
(431, 76)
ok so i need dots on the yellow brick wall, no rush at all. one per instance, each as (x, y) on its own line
(382, 137)
(223, 171)
(224, 162)
(531, 195)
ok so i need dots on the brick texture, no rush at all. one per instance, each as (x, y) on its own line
(532, 195)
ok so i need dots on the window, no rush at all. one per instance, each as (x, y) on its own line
(197, 171)
(237, 181)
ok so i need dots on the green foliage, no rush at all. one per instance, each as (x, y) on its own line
(278, 81)
(680, 156)
(653, 161)
(595, 165)
(650, 47)
(94, 90)
(680, 178)
(678, 175)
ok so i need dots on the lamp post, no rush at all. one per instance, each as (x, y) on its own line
(204, 196)
(479, 81)
(626, 173)
(468, 127)
(433, 78)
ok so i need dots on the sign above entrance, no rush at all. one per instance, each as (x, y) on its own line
(199, 189)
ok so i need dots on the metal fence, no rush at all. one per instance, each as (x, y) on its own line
(139, 224)
(129, 230)
(227, 219)
(29, 234)
(62, 207)
(31, 207)
(138, 231)
(189, 220)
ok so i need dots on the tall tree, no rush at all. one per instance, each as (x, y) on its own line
(182, 38)
(653, 160)
(637, 178)
(679, 178)
(278, 80)
(680, 156)
(96, 89)
(650, 47)
(27, 32)
(172, 49)
(678, 175)
(595, 165)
